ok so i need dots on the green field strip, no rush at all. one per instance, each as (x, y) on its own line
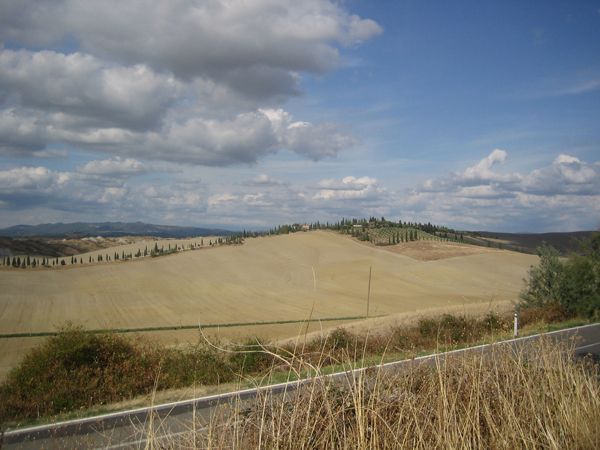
(183, 327)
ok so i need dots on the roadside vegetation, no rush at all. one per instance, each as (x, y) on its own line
(76, 370)
(503, 400)
(571, 285)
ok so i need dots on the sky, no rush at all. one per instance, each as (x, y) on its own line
(252, 113)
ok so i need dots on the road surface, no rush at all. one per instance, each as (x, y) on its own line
(127, 429)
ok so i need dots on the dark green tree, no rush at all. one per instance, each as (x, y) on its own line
(573, 284)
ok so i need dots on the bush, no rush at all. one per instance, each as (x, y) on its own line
(75, 369)
(574, 285)
(340, 338)
(544, 279)
(250, 357)
(548, 314)
(579, 289)
(449, 328)
(492, 322)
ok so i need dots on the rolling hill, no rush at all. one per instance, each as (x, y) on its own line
(108, 229)
(266, 279)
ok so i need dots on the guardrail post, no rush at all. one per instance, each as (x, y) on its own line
(516, 326)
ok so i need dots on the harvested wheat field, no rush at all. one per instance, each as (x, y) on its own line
(266, 279)
(107, 247)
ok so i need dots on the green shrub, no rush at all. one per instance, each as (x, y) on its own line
(492, 322)
(448, 328)
(544, 279)
(573, 284)
(340, 338)
(75, 369)
(250, 357)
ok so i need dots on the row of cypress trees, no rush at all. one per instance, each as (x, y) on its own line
(27, 261)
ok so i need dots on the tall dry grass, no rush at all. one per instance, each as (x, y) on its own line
(506, 399)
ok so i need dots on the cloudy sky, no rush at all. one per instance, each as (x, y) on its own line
(250, 113)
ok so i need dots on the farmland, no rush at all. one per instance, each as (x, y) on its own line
(266, 279)
(97, 250)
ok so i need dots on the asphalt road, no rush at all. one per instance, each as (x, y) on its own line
(128, 429)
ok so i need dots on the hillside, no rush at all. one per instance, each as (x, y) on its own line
(59, 247)
(108, 229)
(565, 243)
(266, 279)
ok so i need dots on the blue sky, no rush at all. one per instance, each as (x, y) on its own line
(475, 115)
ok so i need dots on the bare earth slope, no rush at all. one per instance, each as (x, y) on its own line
(263, 280)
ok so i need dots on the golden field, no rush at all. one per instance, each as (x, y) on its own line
(266, 279)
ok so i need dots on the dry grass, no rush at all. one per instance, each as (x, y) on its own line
(505, 400)
(76, 371)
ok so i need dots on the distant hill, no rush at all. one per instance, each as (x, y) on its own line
(108, 229)
(565, 243)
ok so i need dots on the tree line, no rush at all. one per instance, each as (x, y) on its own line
(27, 261)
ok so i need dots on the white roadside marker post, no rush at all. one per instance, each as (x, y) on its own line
(516, 327)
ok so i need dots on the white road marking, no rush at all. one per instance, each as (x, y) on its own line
(587, 346)
(233, 394)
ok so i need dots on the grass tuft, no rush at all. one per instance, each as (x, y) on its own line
(77, 370)
(509, 399)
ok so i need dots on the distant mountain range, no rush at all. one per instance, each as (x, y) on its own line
(108, 229)
(564, 242)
